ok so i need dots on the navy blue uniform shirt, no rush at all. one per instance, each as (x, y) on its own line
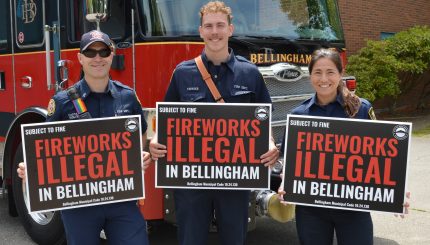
(237, 80)
(310, 107)
(118, 100)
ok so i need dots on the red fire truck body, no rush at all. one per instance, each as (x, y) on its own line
(39, 42)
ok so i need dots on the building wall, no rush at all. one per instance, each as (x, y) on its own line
(364, 20)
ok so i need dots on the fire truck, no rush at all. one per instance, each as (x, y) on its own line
(39, 40)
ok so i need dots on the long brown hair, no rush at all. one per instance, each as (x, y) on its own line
(351, 102)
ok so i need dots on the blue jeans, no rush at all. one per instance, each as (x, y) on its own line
(317, 225)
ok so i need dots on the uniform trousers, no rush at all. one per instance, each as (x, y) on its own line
(122, 222)
(317, 225)
(194, 212)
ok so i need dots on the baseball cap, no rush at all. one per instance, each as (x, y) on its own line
(94, 36)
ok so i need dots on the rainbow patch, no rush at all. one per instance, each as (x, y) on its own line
(79, 106)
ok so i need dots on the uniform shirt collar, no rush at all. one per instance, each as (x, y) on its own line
(229, 63)
(313, 101)
(85, 89)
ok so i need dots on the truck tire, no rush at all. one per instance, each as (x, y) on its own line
(43, 228)
(11, 201)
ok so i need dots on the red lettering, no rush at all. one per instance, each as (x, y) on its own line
(393, 149)
(125, 169)
(178, 151)
(79, 165)
(191, 151)
(169, 149)
(208, 126)
(358, 177)
(112, 165)
(50, 172)
(206, 149)
(79, 144)
(222, 155)
(186, 126)
(317, 142)
(308, 173)
(328, 143)
(387, 173)
(299, 159)
(368, 143)
(127, 142)
(170, 125)
(38, 147)
(93, 143)
(40, 172)
(221, 126)
(67, 146)
(300, 140)
(252, 157)
(196, 128)
(341, 142)
(337, 166)
(47, 148)
(104, 142)
(321, 167)
(63, 169)
(115, 141)
(373, 171)
(233, 126)
(56, 147)
(355, 145)
(255, 125)
(239, 151)
(95, 169)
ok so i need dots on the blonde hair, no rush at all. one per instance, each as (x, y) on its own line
(216, 7)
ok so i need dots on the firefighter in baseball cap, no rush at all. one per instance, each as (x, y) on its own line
(100, 97)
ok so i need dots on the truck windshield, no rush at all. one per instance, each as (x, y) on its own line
(290, 19)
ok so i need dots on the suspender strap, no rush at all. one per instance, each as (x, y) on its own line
(209, 82)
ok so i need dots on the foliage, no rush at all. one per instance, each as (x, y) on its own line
(392, 66)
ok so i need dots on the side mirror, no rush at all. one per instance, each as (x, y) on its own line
(97, 11)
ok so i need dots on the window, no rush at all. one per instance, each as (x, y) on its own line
(385, 35)
(4, 27)
(114, 26)
(29, 23)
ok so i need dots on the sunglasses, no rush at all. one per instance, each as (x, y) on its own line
(91, 53)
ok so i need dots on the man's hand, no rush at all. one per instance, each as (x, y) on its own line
(156, 149)
(271, 156)
(21, 170)
(146, 160)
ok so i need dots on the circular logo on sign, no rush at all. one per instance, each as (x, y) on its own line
(262, 113)
(401, 132)
(131, 125)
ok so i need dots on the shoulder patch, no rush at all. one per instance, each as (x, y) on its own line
(371, 113)
(51, 107)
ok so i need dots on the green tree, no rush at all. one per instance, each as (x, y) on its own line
(394, 66)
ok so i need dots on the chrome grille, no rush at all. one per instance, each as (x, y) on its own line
(285, 97)
(282, 108)
(277, 88)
